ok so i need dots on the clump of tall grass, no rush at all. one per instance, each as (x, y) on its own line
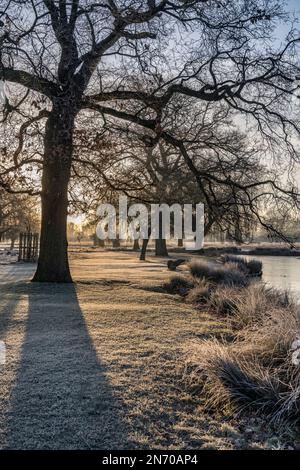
(251, 267)
(226, 274)
(178, 285)
(223, 300)
(200, 293)
(228, 381)
(256, 372)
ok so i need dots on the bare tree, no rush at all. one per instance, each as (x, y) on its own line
(67, 58)
(234, 181)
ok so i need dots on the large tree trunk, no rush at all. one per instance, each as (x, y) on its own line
(161, 247)
(160, 243)
(53, 265)
(145, 244)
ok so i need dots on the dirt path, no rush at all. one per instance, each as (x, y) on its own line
(97, 364)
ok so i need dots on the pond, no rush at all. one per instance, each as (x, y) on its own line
(281, 272)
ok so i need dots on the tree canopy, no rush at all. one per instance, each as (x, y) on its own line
(155, 68)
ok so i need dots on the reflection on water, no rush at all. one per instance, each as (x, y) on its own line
(282, 272)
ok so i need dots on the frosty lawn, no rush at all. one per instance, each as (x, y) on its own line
(98, 364)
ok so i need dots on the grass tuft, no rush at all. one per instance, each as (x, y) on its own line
(200, 294)
(251, 267)
(178, 285)
(223, 300)
(226, 274)
(256, 372)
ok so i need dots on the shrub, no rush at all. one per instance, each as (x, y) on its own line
(226, 274)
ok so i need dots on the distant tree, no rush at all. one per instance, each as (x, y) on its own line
(18, 213)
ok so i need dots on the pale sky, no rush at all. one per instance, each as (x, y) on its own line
(294, 7)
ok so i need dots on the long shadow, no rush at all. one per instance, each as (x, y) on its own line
(11, 289)
(61, 397)
(7, 310)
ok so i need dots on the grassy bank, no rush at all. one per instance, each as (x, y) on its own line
(253, 369)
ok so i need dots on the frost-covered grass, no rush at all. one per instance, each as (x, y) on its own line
(255, 372)
(102, 364)
(95, 365)
(225, 274)
(251, 267)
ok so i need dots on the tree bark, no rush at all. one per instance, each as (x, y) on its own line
(161, 247)
(53, 265)
(145, 244)
(160, 243)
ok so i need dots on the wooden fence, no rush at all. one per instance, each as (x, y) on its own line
(28, 247)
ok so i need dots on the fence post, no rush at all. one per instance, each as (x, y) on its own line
(20, 246)
(28, 246)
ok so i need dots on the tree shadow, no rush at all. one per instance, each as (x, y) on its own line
(7, 309)
(61, 397)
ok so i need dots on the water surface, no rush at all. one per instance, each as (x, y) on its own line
(281, 272)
